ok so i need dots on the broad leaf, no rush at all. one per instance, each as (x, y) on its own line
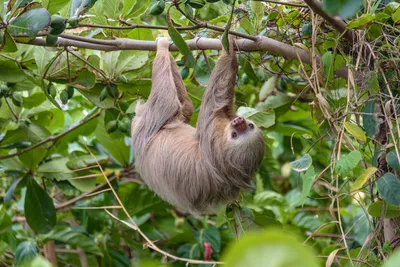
(39, 208)
(308, 179)
(25, 252)
(348, 162)
(389, 188)
(382, 209)
(393, 161)
(30, 22)
(363, 178)
(210, 235)
(301, 164)
(264, 119)
(355, 131)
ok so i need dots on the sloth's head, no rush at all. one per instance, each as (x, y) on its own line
(244, 146)
(241, 130)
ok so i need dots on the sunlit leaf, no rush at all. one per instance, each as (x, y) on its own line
(363, 178)
(301, 164)
(355, 131)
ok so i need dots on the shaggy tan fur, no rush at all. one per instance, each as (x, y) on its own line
(195, 169)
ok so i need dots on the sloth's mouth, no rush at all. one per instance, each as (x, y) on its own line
(239, 124)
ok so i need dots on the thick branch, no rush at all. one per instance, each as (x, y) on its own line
(269, 45)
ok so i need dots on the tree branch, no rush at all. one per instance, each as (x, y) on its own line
(269, 45)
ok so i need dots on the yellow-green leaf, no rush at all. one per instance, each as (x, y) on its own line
(363, 178)
(355, 131)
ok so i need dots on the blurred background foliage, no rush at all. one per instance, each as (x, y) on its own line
(323, 195)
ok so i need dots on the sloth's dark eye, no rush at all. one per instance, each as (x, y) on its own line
(234, 134)
(251, 126)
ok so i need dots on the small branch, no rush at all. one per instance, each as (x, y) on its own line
(282, 3)
(52, 138)
(82, 196)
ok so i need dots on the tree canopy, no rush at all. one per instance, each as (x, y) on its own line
(320, 78)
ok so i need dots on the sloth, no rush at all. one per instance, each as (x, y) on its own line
(195, 169)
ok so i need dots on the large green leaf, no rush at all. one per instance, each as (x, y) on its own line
(393, 161)
(272, 248)
(389, 188)
(39, 208)
(30, 22)
(348, 162)
(73, 238)
(382, 209)
(10, 71)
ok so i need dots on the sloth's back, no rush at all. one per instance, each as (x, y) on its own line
(172, 166)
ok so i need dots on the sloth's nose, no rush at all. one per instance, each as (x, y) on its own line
(237, 121)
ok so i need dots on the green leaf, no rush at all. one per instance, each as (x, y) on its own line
(308, 179)
(301, 164)
(382, 209)
(7, 43)
(10, 192)
(129, 60)
(348, 162)
(53, 6)
(32, 158)
(210, 235)
(93, 96)
(369, 119)
(355, 131)
(263, 119)
(5, 221)
(361, 21)
(73, 238)
(84, 80)
(56, 169)
(39, 208)
(393, 161)
(225, 35)
(272, 248)
(10, 71)
(25, 252)
(267, 87)
(363, 178)
(114, 144)
(38, 261)
(34, 132)
(343, 8)
(78, 7)
(389, 188)
(180, 43)
(396, 16)
(30, 22)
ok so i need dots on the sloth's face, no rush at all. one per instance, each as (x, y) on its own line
(240, 128)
